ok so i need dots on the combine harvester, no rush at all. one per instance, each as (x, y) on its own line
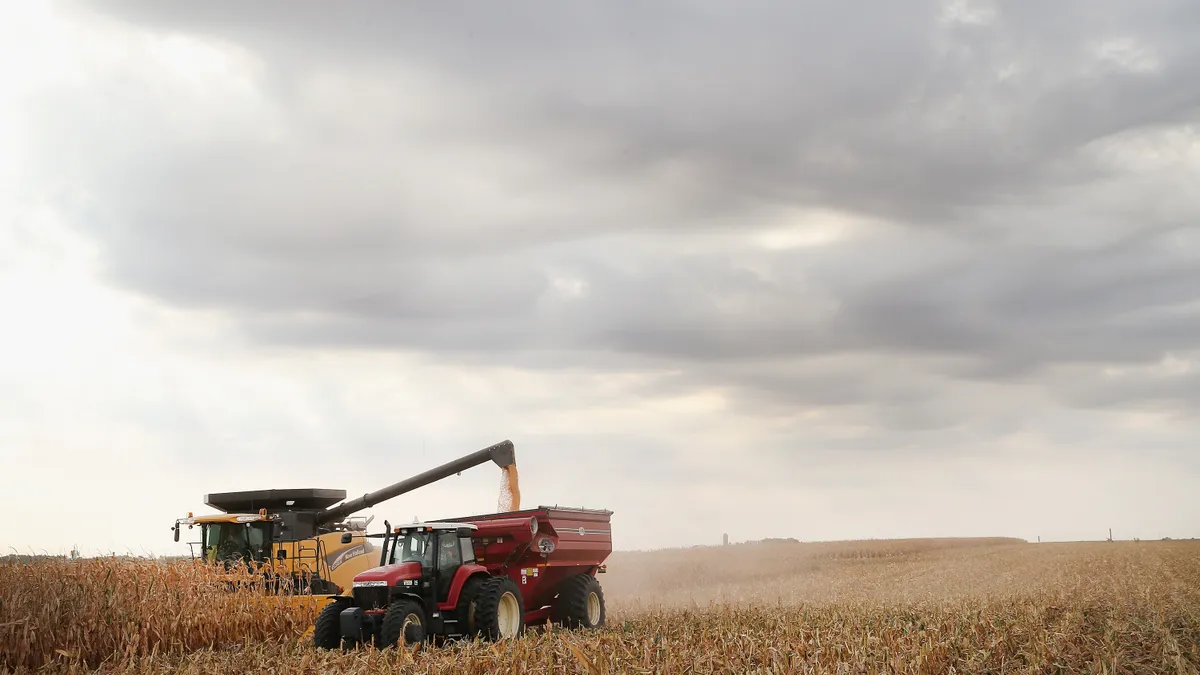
(300, 544)
(485, 576)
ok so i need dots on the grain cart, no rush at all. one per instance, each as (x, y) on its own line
(297, 540)
(483, 576)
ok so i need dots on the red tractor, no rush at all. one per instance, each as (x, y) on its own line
(484, 576)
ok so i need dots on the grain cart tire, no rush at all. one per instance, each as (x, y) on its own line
(466, 605)
(499, 609)
(404, 618)
(327, 632)
(580, 602)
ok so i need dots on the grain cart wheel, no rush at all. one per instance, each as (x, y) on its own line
(580, 602)
(404, 617)
(499, 609)
(327, 632)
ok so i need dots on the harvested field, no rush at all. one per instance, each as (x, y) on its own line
(922, 606)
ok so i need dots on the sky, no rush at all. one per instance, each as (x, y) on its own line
(820, 270)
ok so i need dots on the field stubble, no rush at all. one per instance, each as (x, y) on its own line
(921, 606)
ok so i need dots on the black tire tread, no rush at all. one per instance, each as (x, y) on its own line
(393, 621)
(466, 597)
(327, 631)
(570, 609)
(487, 606)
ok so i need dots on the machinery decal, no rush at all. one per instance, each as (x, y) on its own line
(527, 572)
(352, 552)
(583, 532)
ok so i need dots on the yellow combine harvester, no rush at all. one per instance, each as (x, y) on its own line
(296, 541)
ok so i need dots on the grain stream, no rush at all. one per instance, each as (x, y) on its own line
(510, 490)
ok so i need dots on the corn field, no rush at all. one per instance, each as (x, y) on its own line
(981, 607)
(88, 610)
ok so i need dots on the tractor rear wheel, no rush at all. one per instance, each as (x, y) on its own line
(404, 618)
(465, 613)
(327, 632)
(580, 602)
(499, 610)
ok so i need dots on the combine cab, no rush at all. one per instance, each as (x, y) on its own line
(481, 576)
(277, 544)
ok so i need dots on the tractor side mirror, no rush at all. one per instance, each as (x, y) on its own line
(176, 528)
(347, 537)
(465, 532)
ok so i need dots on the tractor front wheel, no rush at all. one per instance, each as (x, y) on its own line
(327, 633)
(404, 618)
(499, 609)
(580, 603)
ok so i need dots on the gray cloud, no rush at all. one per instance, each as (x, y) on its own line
(580, 184)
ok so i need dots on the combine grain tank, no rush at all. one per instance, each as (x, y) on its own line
(486, 576)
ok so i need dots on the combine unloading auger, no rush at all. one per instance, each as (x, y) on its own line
(501, 453)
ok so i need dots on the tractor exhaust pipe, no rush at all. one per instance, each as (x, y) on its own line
(501, 453)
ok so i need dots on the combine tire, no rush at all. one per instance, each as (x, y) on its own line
(327, 633)
(499, 610)
(404, 618)
(580, 603)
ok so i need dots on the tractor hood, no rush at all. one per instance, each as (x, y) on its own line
(388, 575)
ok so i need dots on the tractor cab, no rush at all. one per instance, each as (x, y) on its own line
(422, 559)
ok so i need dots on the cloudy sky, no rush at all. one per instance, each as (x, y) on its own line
(823, 270)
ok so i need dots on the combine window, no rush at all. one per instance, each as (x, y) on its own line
(231, 542)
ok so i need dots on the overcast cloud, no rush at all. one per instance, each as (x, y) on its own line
(871, 270)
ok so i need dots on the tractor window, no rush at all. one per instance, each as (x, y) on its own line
(449, 552)
(413, 547)
(468, 550)
(449, 560)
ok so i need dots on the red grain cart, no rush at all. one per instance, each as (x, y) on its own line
(483, 576)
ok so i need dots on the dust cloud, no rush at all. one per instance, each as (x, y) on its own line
(821, 572)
